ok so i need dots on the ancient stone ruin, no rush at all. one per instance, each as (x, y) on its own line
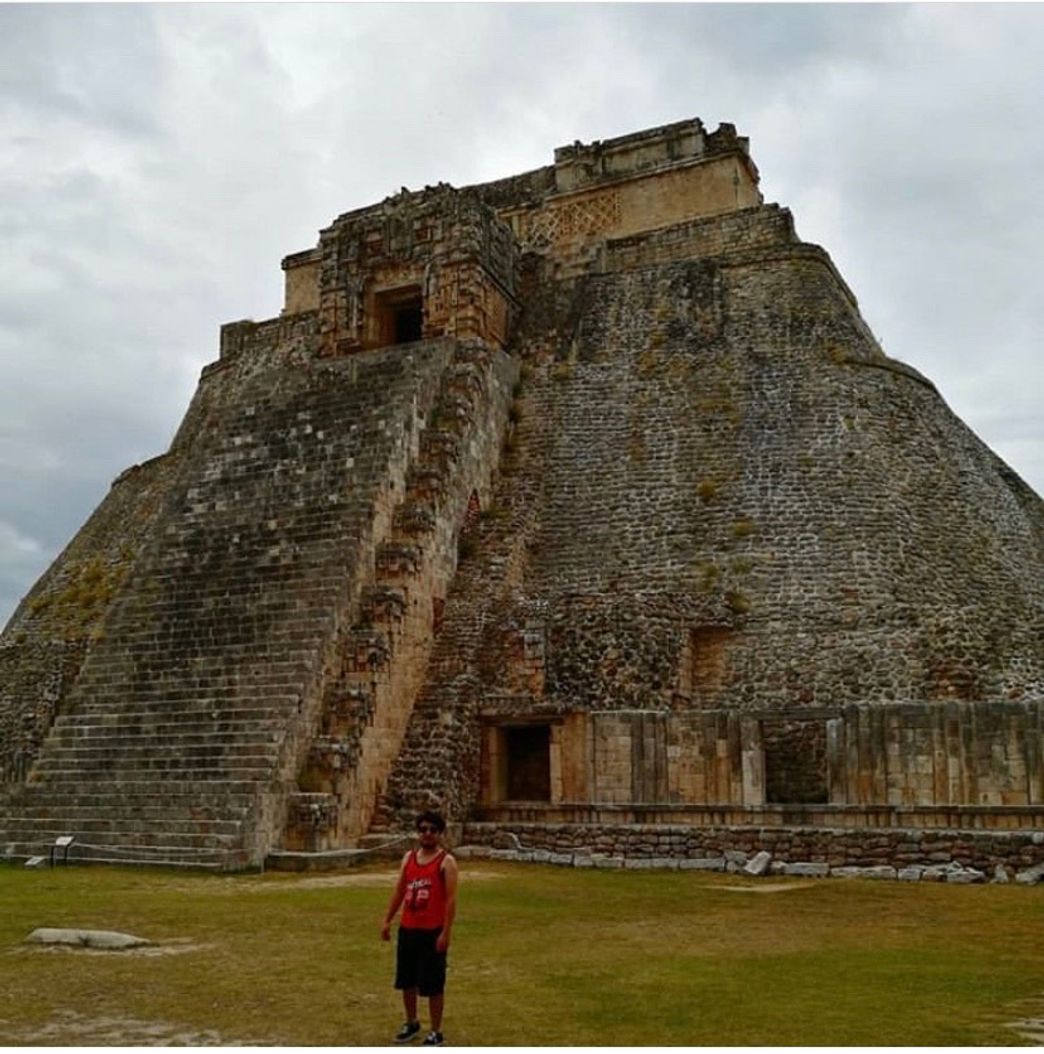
(582, 505)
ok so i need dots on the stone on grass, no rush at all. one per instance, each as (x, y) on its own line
(909, 874)
(758, 864)
(107, 940)
(965, 876)
(1030, 876)
(1000, 876)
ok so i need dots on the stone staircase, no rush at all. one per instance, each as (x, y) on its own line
(384, 654)
(197, 704)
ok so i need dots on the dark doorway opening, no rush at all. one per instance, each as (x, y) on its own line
(408, 321)
(400, 314)
(795, 762)
(528, 753)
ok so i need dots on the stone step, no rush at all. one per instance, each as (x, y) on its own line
(203, 774)
(73, 810)
(181, 831)
(185, 735)
(155, 748)
(214, 858)
(120, 794)
(171, 705)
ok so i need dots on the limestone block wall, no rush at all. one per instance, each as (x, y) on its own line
(914, 854)
(56, 624)
(927, 757)
(740, 506)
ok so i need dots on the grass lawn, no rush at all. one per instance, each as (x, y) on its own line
(541, 956)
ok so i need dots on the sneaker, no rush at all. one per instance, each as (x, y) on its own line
(433, 1039)
(407, 1032)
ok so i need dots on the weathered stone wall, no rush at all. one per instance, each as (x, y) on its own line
(370, 695)
(742, 505)
(911, 854)
(445, 243)
(47, 637)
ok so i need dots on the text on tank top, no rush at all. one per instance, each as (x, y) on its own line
(425, 905)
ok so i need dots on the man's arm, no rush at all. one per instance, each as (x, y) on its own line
(449, 874)
(397, 897)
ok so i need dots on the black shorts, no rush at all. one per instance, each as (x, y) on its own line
(417, 963)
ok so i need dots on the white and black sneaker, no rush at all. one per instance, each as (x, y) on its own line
(407, 1032)
(433, 1039)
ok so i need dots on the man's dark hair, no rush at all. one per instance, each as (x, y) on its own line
(434, 818)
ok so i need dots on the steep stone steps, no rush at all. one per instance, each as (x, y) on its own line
(149, 739)
(149, 753)
(106, 793)
(178, 768)
(366, 706)
(126, 830)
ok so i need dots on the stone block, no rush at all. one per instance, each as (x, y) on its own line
(709, 863)
(106, 940)
(758, 864)
(966, 876)
(909, 874)
(1030, 876)
(807, 870)
(882, 871)
(608, 863)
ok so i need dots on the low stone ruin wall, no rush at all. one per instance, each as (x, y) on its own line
(905, 854)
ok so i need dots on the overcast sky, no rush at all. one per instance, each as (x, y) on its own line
(157, 162)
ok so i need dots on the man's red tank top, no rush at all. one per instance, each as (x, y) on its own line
(425, 905)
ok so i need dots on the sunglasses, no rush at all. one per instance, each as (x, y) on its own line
(427, 828)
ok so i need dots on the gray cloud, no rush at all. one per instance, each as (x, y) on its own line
(158, 161)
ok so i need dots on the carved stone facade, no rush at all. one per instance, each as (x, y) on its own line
(582, 505)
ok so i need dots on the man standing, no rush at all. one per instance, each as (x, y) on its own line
(427, 892)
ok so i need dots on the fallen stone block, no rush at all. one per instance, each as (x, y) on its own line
(1030, 876)
(966, 876)
(909, 874)
(106, 940)
(758, 864)
(1000, 876)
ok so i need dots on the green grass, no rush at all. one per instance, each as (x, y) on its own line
(541, 956)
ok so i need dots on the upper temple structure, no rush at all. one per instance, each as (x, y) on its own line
(582, 505)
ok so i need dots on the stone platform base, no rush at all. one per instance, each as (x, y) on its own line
(794, 850)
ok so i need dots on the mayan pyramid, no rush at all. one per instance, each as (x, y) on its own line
(582, 505)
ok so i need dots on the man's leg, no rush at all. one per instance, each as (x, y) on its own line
(435, 1010)
(409, 1003)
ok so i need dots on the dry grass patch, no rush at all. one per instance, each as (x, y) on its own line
(647, 958)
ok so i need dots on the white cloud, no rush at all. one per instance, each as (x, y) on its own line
(159, 160)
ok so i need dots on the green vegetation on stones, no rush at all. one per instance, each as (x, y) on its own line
(742, 527)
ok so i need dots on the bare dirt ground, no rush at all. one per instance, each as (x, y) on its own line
(70, 1029)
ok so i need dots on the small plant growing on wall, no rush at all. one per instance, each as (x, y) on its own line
(743, 527)
(737, 602)
(708, 490)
